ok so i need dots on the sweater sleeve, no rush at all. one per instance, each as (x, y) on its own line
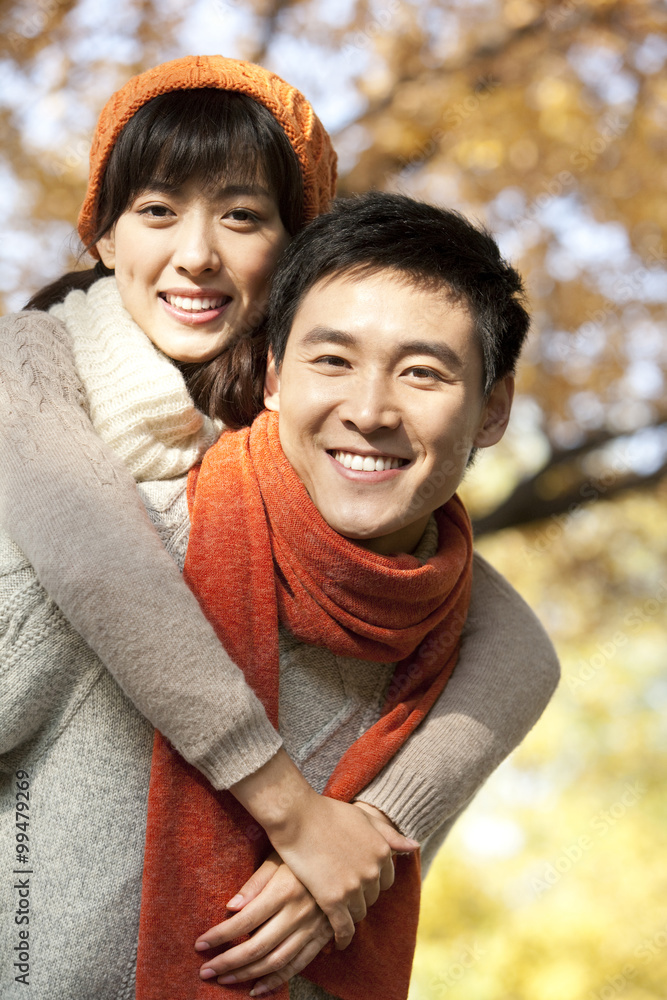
(73, 508)
(505, 676)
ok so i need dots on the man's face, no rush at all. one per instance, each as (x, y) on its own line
(380, 400)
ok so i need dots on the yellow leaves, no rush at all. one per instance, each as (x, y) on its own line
(518, 13)
(551, 93)
(523, 154)
(482, 155)
(549, 982)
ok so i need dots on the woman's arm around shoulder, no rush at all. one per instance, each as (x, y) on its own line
(506, 673)
(74, 510)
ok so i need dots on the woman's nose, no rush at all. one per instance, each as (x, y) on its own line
(196, 250)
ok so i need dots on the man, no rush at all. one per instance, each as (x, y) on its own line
(394, 330)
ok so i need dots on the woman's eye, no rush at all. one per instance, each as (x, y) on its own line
(156, 211)
(242, 215)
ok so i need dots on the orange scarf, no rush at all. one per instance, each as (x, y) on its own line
(260, 554)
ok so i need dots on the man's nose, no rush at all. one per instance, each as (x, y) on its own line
(196, 250)
(369, 405)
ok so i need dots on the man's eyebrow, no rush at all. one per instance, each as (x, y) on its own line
(329, 335)
(443, 352)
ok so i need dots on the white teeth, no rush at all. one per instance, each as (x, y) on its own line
(365, 463)
(193, 305)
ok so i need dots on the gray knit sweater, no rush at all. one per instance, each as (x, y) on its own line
(66, 722)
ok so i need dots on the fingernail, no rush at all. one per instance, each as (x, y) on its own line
(202, 946)
(206, 973)
(235, 901)
(411, 842)
(258, 991)
(226, 980)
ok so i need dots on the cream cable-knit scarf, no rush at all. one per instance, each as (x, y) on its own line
(137, 398)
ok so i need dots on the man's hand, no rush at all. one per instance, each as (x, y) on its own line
(287, 926)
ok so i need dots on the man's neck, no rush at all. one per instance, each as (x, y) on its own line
(404, 540)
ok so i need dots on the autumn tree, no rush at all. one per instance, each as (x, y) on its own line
(547, 122)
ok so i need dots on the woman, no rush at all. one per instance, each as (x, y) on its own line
(72, 508)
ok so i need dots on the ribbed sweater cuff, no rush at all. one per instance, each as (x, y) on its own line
(238, 753)
(409, 801)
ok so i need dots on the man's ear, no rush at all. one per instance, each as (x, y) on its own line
(106, 247)
(272, 385)
(496, 413)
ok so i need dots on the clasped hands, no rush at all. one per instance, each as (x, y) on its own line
(289, 925)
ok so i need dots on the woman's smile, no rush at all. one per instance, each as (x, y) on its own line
(195, 305)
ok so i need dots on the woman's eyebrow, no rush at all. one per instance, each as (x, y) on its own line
(225, 190)
(247, 189)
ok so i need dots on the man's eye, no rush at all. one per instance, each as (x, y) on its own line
(424, 373)
(333, 360)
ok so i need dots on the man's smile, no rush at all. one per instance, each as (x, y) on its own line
(367, 463)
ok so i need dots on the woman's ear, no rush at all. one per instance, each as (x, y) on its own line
(106, 248)
(272, 385)
(496, 413)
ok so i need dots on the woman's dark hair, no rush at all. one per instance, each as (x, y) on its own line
(197, 135)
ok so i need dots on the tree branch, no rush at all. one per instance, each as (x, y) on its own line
(526, 504)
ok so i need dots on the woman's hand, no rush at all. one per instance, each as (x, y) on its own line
(334, 848)
(288, 930)
(343, 857)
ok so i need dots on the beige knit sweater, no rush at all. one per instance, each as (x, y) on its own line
(64, 719)
(73, 509)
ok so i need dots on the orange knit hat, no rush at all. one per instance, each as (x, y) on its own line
(291, 110)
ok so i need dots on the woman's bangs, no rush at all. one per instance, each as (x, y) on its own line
(208, 150)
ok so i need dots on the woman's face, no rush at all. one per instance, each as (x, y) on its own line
(193, 265)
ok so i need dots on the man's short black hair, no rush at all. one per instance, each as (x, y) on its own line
(432, 246)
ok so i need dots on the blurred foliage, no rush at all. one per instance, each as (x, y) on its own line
(546, 121)
(553, 884)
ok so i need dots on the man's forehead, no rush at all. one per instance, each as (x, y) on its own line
(348, 307)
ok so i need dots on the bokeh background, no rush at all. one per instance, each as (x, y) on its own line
(548, 122)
